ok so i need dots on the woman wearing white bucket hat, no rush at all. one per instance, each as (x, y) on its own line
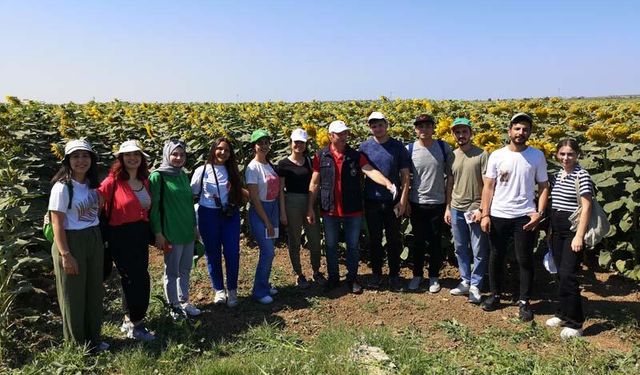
(129, 233)
(77, 249)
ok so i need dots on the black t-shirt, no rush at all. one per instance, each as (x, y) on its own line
(296, 177)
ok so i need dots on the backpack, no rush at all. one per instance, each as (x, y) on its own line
(47, 226)
(440, 143)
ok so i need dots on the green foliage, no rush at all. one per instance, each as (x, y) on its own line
(32, 135)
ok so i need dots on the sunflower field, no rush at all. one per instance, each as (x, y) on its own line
(32, 137)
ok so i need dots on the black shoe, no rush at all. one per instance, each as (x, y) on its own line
(396, 284)
(491, 304)
(354, 287)
(375, 282)
(319, 278)
(526, 314)
(331, 285)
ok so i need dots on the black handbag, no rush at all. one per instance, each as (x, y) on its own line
(105, 230)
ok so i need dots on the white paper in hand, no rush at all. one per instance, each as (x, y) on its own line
(276, 233)
(394, 191)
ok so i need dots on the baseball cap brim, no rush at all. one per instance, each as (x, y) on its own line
(520, 115)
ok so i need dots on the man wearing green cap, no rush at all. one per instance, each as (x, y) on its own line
(463, 211)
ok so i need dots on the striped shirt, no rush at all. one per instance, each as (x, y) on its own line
(563, 189)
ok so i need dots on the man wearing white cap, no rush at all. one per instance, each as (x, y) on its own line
(337, 174)
(509, 211)
(382, 210)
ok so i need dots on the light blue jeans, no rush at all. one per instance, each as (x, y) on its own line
(465, 236)
(352, 228)
(261, 285)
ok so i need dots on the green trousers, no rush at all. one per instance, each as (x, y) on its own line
(296, 208)
(80, 296)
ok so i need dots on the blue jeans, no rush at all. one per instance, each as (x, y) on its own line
(352, 227)
(261, 286)
(465, 236)
(220, 235)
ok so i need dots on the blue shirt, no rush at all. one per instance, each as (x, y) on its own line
(389, 158)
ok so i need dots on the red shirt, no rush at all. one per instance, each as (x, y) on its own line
(126, 206)
(338, 159)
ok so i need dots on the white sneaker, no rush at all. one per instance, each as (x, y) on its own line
(232, 298)
(189, 309)
(273, 291)
(474, 294)
(460, 290)
(554, 322)
(220, 297)
(126, 326)
(265, 300)
(568, 333)
(434, 285)
(414, 284)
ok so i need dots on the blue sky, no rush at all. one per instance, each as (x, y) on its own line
(228, 51)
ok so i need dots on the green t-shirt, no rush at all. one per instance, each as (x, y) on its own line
(179, 218)
(468, 169)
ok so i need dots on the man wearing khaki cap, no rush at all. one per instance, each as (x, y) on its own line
(509, 211)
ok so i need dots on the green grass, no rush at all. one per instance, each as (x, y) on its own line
(450, 348)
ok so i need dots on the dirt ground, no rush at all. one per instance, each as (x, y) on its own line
(611, 304)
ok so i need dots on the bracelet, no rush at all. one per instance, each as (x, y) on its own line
(483, 216)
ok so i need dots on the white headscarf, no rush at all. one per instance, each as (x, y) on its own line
(166, 166)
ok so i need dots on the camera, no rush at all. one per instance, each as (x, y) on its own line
(227, 210)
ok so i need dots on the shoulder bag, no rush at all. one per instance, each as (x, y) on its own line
(598, 226)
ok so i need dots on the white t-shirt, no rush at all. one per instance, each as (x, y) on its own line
(265, 177)
(84, 205)
(516, 174)
(210, 190)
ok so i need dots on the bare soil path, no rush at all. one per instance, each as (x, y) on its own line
(612, 304)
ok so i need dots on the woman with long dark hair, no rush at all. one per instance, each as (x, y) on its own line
(571, 187)
(129, 233)
(173, 221)
(218, 186)
(77, 249)
(263, 184)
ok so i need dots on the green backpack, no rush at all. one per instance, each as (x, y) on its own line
(47, 227)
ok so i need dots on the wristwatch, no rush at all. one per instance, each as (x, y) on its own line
(541, 213)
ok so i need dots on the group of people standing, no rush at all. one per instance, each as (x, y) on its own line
(488, 200)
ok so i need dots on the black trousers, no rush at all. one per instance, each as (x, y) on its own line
(502, 231)
(568, 264)
(380, 217)
(426, 225)
(129, 245)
